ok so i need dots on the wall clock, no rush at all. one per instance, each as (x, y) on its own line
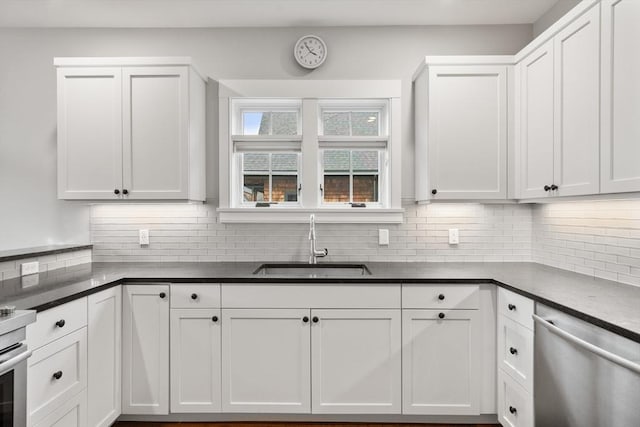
(310, 51)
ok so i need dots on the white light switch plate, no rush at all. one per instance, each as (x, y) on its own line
(30, 268)
(144, 236)
(454, 236)
(383, 237)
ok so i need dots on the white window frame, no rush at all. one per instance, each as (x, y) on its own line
(314, 95)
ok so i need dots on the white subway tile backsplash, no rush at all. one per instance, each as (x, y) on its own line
(11, 269)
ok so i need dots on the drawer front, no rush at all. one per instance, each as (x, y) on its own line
(441, 296)
(72, 413)
(516, 307)
(57, 322)
(515, 405)
(57, 372)
(195, 295)
(515, 351)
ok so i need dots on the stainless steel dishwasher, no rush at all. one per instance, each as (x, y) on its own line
(584, 376)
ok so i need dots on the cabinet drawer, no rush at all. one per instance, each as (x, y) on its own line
(195, 295)
(72, 413)
(57, 372)
(515, 405)
(445, 296)
(57, 322)
(515, 351)
(515, 307)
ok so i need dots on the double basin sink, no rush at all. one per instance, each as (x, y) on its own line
(312, 270)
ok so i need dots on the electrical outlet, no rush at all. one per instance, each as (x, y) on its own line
(383, 237)
(454, 236)
(30, 268)
(144, 236)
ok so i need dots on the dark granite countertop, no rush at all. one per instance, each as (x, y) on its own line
(13, 254)
(605, 303)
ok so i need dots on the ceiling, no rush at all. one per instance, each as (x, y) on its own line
(266, 13)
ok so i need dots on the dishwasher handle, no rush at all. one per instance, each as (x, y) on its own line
(618, 360)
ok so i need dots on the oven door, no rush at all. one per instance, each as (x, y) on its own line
(13, 386)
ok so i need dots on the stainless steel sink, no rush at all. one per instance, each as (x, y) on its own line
(312, 270)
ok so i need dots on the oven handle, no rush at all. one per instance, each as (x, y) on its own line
(618, 360)
(11, 363)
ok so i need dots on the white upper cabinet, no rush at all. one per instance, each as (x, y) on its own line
(130, 129)
(462, 129)
(559, 112)
(620, 143)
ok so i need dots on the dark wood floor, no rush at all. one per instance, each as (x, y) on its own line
(256, 424)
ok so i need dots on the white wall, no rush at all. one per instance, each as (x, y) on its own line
(29, 212)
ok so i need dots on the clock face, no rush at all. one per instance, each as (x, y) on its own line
(310, 51)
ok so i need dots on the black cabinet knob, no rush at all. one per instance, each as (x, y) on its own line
(511, 307)
(194, 296)
(305, 319)
(554, 187)
(547, 188)
(512, 410)
(434, 191)
(125, 191)
(57, 375)
(60, 323)
(116, 191)
(441, 315)
(162, 295)
(315, 319)
(214, 319)
(513, 351)
(441, 297)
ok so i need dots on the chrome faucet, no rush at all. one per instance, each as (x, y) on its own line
(314, 254)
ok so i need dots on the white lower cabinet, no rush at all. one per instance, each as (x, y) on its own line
(356, 362)
(195, 360)
(266, 360)
(441, 363)
(72, 413)
(104, 356)
(145, 349)
(515, 404)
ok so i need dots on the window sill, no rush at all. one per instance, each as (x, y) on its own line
(323, 215)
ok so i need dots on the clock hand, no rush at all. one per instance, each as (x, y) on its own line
(309, 49)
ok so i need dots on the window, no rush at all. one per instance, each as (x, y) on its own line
(351, 176)
(269, 177)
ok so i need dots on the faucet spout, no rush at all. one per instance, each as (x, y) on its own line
(314, 253)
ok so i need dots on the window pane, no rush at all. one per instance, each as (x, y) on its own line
(256, 162)
(284, 162)
(256, 188)
(335, 123)
(364, 123)
(256, 123)
(336, 160)
(365, 188)
(365, 161)
(284, 123)
(285, 188)
(336, 188)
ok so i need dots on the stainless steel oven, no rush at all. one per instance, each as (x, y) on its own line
(13, 367)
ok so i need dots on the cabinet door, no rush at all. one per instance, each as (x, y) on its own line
(145, 350)
(620, 96)
(265, 360)
(537, 120)
(156, 132)
(577, 112)
(104, 356)
(195, 360)
(89, 133)
(467, 144)
(356, 362)
(441, 363)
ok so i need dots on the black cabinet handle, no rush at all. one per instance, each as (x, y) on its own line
(162, 295)
(57, 375)
(511, 307)
(125, 191)
(434, 191)
(554, 187)
(441, 315)
(214, 319)
(315, 319)
(547, 188)
(116, 191)
(512, 410)
(441, 297)
(60, 323)
(305, 319)
(513, 351)
(194, 296)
